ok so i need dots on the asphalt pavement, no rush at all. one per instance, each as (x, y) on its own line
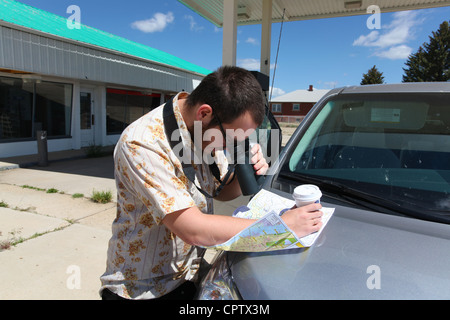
(53, 245)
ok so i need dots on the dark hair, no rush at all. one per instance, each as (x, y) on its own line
(231, 92)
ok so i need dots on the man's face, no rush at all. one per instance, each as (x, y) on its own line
(234, 132)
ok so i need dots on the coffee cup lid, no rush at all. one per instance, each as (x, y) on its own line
(307, 192)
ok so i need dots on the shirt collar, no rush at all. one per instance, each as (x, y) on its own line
(184, 132)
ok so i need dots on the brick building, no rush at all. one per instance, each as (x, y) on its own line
(294, 106)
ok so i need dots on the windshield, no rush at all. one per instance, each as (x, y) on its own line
(394, 147)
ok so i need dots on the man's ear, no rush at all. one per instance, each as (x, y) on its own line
(204, 114)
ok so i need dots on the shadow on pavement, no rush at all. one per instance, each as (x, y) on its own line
(102, 167)
(70, 161)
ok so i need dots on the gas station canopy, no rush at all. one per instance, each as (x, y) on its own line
(228, 14)
(251, 11)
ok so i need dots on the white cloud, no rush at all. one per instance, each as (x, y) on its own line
(367, 40)
(390, 42)
(251, 64)
(397, 52)
(193, 25)
(331, 84)
(252, 41)
(156, 24)
(400, 30)
(276, 92)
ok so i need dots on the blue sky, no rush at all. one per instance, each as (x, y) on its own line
(325, 53)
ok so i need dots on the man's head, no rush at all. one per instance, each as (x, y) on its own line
(230, 92)
(227, 103)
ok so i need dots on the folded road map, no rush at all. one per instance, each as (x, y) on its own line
(269, 232)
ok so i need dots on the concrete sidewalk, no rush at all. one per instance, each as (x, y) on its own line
(61, 241)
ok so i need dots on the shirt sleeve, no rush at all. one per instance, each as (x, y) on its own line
(148, 172)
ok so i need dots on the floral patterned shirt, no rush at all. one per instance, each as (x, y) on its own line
(145, 259)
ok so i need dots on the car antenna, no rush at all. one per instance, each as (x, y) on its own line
(276, 59)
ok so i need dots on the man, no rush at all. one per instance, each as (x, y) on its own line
(162, 216)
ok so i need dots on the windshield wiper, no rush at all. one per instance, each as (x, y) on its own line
(368, 200)
(346, 192)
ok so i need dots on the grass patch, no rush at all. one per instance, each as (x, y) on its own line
(51, 190)
(16, 239)
(32, 188)
(3, 204)
(101, 196)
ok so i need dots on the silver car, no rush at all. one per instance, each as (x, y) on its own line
(381, 156)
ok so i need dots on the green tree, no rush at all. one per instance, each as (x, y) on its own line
(432, 61)
(373, 76)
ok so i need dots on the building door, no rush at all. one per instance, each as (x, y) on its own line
(87, 118)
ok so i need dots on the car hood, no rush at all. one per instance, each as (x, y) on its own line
(360, 255)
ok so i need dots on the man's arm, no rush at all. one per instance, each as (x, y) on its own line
(199, 229)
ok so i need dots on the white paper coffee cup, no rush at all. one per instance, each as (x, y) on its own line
(306, 194)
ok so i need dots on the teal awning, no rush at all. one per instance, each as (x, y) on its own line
(26, 16)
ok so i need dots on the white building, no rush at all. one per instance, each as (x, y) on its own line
(81, 85)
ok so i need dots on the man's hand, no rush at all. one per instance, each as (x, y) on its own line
(304, 220)
(259, 162)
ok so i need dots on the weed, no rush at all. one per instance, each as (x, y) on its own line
(5, 245)
(32, 188)
(51, 190)
(13, 239)
(101, 196)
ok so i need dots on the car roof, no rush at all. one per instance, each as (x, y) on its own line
(398, 88)
(408, 87)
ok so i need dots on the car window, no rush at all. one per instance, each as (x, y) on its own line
(391, 146)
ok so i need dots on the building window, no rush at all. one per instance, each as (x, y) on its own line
(53, 108)
(29, 106)
(296, 107)
(276, 107)
(123, 107)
